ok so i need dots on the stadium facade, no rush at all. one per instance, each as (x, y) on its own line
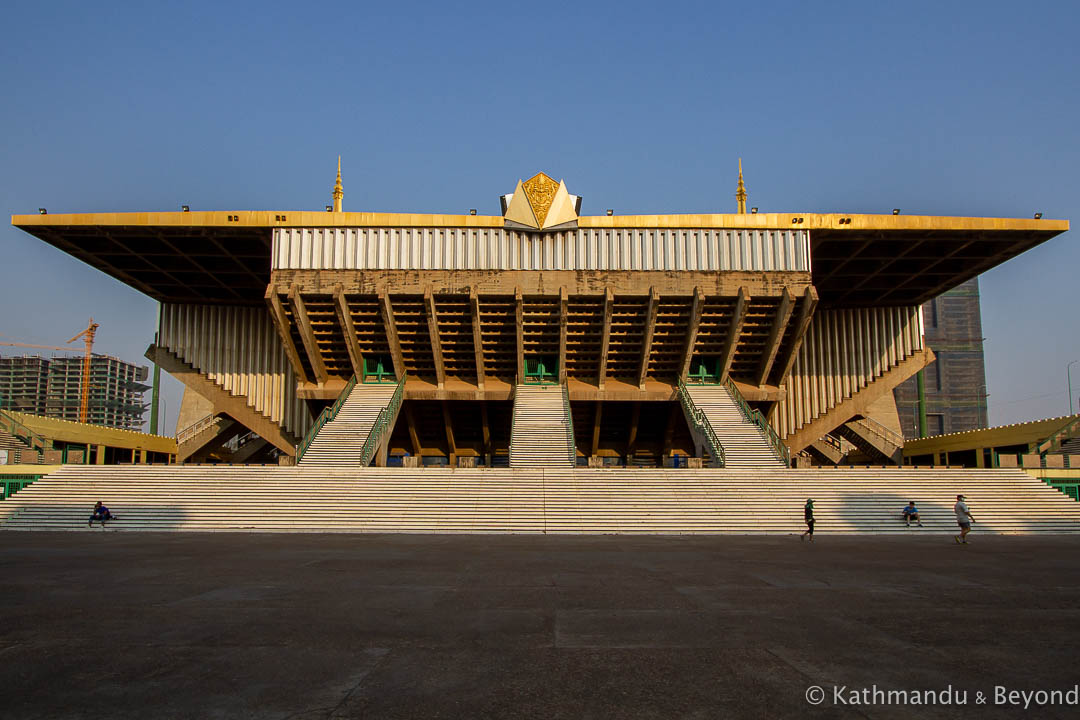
(811, 320)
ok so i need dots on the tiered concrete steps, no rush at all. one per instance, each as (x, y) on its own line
(339, 442)
(312, 499)
(538, 438)
(744, 445)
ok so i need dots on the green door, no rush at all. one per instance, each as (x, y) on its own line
(704, 370)
(541, 370)
(378, 369)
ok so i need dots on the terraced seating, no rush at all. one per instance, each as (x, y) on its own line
(317, 499)
(341, 441)
(744, 445)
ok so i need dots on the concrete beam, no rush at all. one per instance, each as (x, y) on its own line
(345, 320)
(776, 335)
(414, 437)
(432, 321)
(284, 330)
(562, 334)
(605, 338)
(806, 314)
(386, 311)
(477, 336)
(504, 283)
(691, 333)
(451, 446)
(598, 409)
(307, 335)
(738, 316)
(650, 327)
(519, 315)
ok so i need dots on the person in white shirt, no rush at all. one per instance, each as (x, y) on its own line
(963, 519)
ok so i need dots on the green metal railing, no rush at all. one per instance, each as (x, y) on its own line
(1053, 442)
(571, 446)
(755, 416)
(13, 427)
(11, 484)
(386, 416)
(325, 416)
(702, 426)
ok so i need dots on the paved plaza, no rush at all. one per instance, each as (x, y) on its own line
(112, 624)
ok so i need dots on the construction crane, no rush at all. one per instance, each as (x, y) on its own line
(88, 337)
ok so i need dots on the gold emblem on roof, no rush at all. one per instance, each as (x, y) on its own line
(540, 190)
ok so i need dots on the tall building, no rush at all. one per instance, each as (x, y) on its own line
(52, 387)
(954, 385)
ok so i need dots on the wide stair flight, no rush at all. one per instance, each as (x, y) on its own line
(341, 441)
(615, 500)
(744, 444)
(542, 436)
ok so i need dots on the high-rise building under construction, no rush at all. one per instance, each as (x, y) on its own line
(52, 387)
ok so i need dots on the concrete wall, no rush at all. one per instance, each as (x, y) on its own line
(498, 249)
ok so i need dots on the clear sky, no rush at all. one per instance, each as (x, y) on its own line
(944, 108)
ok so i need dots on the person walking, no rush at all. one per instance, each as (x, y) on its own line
(808, 517)
(963, 519)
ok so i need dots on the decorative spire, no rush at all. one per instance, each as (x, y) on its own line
(740, 193)
(338, 193)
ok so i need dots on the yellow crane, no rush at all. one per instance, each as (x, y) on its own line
(88, 337)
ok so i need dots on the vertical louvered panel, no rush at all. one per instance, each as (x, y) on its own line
(238, 349)
(843, 352)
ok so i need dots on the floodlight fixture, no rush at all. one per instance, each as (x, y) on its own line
(1038, 216)
(896, 211)
(43, 211)
(610, 213)
(185, 208)
(753, 211)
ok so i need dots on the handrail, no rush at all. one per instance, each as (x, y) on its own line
(571, 446)
(195, 427)
(702, 425)
(881, 431)
(513, 424)
(12, 426)
(1048, 444)
(327, 415)
(383, 419)
(754, 415)
(830, 440)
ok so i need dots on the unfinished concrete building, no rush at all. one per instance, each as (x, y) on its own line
(52, 387)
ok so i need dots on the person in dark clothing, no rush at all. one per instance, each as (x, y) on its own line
(808, 516)
(100, 513)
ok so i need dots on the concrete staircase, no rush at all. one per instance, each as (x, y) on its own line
(539, 438)
(874, 439)
(340, 441)
(313, 499)
(744, 445)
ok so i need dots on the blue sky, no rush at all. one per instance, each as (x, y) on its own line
(951, 108)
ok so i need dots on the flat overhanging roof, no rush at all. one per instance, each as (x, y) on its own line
(858, 260)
